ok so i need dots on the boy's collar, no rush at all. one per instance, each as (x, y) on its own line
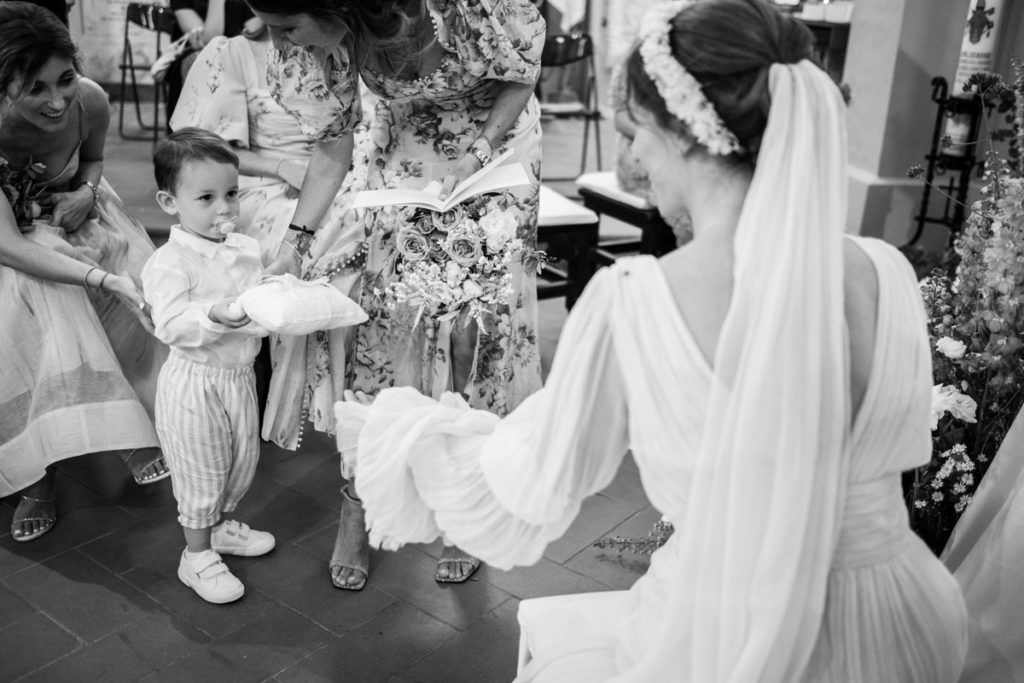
(200, 244)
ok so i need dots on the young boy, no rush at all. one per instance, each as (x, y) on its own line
(206, 414)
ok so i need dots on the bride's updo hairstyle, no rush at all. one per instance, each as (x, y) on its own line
(728, 46)
(29, 37)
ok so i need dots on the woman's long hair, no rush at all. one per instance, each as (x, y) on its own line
(381, 27)
(29, 37)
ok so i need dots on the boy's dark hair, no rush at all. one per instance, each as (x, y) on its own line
(183, 146)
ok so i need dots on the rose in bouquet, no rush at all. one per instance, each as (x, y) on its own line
(976, 329)
(459, 260)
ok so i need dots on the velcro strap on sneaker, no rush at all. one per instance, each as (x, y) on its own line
(213, 569)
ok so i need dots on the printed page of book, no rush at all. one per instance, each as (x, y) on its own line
(491, 178)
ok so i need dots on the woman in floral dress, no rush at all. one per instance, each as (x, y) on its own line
(226, 92)
(455, 80)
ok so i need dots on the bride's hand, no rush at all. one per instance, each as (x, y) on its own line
(124, 289)
(357, 397)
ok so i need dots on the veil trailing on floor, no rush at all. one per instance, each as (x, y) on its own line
(748, 605)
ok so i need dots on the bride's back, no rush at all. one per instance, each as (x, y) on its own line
(700, 277)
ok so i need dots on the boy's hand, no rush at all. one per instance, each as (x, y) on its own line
(227, 315)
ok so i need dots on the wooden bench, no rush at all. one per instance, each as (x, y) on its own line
(601, 194)
(568, 231)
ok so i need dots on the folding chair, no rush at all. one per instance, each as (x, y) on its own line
(570, 59)
(160, 20)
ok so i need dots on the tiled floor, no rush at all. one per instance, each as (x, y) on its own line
(97, 599)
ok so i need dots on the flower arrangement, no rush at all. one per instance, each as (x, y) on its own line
(17, 186)
(458, 260)
(976, 328)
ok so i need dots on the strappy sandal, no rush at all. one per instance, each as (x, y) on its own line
(352, 522)
(19, 520)
(473, 563)
(137, 472)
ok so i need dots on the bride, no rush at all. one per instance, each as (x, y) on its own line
(772, 379)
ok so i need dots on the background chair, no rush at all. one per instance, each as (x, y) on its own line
(159, 20)
(568, 87)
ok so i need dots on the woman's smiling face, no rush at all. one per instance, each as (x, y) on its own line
(45, 98)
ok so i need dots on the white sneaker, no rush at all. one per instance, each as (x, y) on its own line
(236, 538)
(210, 578)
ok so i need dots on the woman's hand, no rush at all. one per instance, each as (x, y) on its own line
(69, 210)
(124, 289)
(286, 261)
(467, 166)
(292, 171)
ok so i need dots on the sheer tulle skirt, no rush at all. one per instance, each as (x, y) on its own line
(63, 391)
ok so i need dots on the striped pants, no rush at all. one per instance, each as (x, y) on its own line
(208, 425)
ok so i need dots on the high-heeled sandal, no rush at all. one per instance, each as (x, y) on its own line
(352, 522)
(138, 471)
(20, 518)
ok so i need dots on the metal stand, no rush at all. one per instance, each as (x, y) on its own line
(941, 162)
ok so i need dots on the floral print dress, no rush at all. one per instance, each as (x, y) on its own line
(421, 128)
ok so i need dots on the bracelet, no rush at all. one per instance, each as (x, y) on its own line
(482, 155)
(85, 280)
(301, 243)
(95, 191)
(102, 280)
(277, 169)
(301, 228)
(292, 247)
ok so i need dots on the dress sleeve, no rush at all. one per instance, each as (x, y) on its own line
(501, 489)
(215, 94)
(320, 90)
(495, 39)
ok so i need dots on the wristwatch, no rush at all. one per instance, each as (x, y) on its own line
(481, 149)
(95, 191)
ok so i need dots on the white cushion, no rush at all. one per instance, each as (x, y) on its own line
(287, 305)
(605, 184)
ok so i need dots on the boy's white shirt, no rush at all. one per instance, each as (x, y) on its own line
(185, 278)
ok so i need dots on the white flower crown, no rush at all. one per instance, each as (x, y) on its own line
(682, 93)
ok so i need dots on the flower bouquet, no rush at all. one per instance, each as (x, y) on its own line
(18, 185)
(976, 329)
(458, 260)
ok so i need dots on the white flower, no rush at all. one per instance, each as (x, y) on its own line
(471, 289)
(453, 273)
(499, 227)
(946, 399)
(937, 497)
(684, 98)
(951, 348)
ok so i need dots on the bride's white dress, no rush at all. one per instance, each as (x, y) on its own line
(633, 377)
(792, 559)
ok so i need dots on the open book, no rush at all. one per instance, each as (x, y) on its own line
(490, 178)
